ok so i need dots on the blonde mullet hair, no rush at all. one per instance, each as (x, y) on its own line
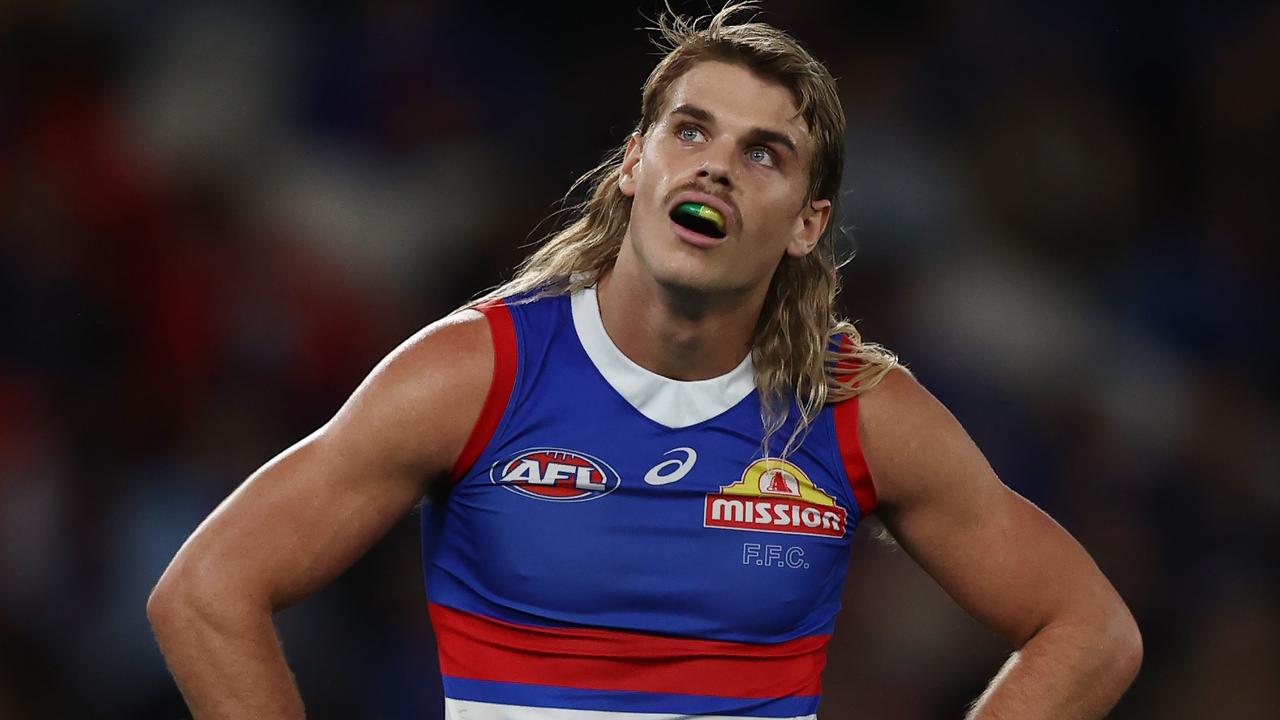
(802, 350)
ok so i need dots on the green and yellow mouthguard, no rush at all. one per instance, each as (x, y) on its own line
(706, 212)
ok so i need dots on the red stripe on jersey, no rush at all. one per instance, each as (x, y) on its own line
(846, 425)
(855, 466)
(503, 331)
(483, 648)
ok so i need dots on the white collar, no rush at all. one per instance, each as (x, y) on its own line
(674, 403)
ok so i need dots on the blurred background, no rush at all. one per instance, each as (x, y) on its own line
(216, 217)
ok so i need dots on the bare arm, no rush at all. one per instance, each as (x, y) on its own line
(307, 515)
(1002, 559)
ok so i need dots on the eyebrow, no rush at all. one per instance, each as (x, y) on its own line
(754, 136)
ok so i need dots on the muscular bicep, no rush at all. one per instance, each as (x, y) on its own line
(1001, 558)
(305, 516)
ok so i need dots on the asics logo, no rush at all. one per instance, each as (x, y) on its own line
(669, 471)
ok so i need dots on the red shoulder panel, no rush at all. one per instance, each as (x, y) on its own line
(855, 466)
(503, 331)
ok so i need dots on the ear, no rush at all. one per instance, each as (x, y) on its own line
(630, 161)
(809, 227)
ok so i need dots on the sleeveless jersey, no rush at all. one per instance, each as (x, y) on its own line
(617, 546)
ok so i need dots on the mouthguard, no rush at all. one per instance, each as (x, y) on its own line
(706, 212)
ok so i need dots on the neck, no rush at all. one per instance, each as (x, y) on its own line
(680, 333)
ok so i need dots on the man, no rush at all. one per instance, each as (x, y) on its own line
(659, 439)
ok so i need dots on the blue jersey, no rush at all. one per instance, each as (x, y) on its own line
(617, 543)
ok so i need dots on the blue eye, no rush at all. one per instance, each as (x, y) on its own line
(760, 155)
(689, 133)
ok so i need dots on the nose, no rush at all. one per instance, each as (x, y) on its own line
(715, 169)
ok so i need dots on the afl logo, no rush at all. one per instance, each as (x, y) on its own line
(555, 474)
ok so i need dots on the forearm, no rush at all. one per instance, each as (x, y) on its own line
(1063, 673)
(227, 662)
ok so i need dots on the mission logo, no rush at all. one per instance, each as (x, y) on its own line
(775, 496)
(555, 474)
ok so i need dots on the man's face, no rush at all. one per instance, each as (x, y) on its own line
(733, 144)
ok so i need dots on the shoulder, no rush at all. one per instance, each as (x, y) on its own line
(911, 442)
(455, 349)
(419, 403)
(896, 396)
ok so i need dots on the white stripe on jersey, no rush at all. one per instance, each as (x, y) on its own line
(472, 710)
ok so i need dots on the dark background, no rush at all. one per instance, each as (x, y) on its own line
(216, 217)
